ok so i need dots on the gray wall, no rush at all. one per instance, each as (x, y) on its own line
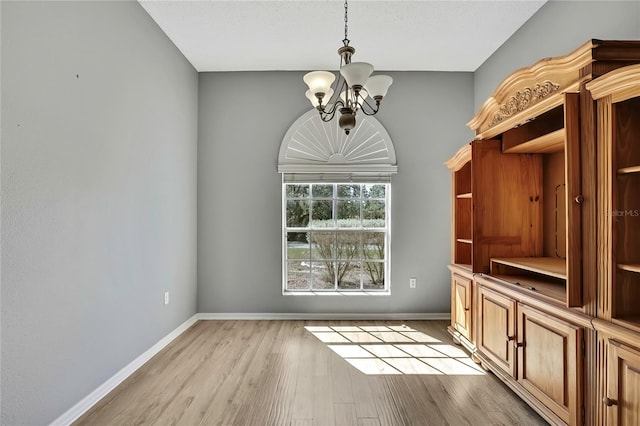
(99, 149)
(102, 126)
(242, 120)
(556, 29)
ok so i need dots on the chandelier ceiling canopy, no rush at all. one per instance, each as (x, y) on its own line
(356, 89)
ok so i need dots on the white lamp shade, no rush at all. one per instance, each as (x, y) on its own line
(319, 81)
(378, 85)
(356, 73)
(314, 100)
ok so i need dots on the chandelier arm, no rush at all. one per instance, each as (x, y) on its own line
(331, 110)
(328, 116)
(372, 110)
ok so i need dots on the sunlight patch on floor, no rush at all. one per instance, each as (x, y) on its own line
(331, 337)
(372, 366)
(391, 336)
(421, 350)
(385, 351)
(361, 337)
(351, 351)
(412, 366)
(376, 350)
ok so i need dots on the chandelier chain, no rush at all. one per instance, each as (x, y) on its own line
(329, 98)
(346, 25)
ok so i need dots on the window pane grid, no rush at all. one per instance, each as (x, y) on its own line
(336, 237)
(334, 228)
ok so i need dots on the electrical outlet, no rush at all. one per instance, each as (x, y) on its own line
(166, 297)
(413, 282)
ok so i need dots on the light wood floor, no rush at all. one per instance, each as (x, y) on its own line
(285, 373)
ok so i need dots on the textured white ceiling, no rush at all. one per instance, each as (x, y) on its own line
(393, 35)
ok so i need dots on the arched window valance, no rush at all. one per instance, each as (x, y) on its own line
(314, 150)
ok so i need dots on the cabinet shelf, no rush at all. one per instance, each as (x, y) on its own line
(630, 268)
(464, 240)
(628, 170)
(550, 266)
(536, 285)
(545, 144)
(465, 195)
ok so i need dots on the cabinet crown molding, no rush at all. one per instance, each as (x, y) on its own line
(460, 158)
(622, 84)
(533, 90)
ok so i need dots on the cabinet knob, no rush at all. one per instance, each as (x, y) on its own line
(609, 402)
(466, 309)
(510, 338)
(579, 199)
(518, 344)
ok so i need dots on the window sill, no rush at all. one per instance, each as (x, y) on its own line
(336, 293)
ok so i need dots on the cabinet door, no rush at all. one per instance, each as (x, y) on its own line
(573, 199)
(496, 330)
(550, 362)
(506, 223)
(462, 305)
(623, 397)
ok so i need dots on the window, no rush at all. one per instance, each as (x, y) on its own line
(336, 237)
(335, 206)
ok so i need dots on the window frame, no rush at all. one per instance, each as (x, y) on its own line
(362, 230)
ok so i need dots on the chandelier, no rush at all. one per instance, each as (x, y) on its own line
(355, 89)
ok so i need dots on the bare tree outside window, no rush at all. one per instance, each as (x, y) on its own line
(335, 237)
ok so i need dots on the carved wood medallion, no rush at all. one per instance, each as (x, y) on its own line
(524, 99)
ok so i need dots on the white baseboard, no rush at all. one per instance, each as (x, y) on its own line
(90, 400)
(324, 316)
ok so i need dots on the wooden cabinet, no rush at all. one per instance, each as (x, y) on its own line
(623, 388)
(486, 219)
(461, 308)
(462, 205)
(462, 298)
(553, 265)
(550, 361)
(495, 211)
(618, 171)
(546, 226)
(617, 95)
(539, 351)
